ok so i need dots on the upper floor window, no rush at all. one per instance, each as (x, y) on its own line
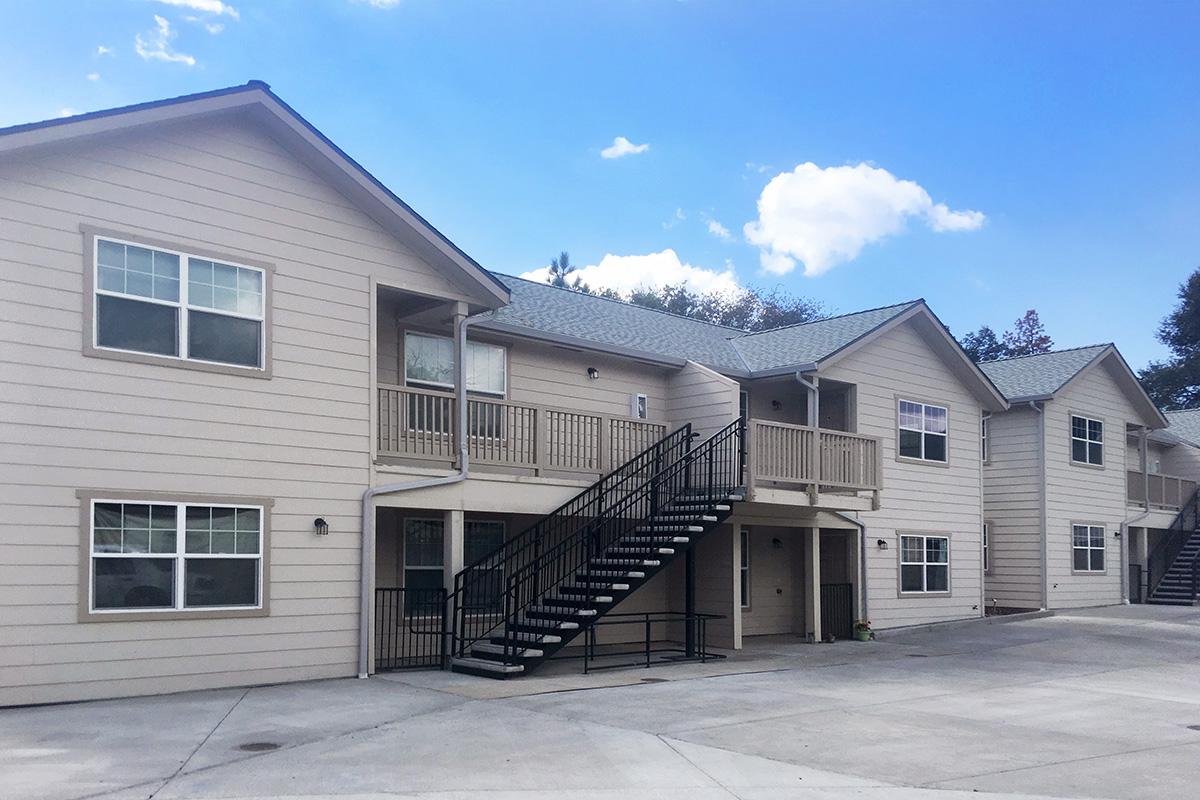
(155, 556)
(983, 438)
(1087, 440)
(167, 303)
(639, 407)
(429, 360)
(923, 431)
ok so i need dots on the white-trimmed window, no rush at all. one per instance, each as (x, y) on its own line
(429, 361)
(639, 407)
(922, 431)
(744, 574)
(152, 556)
(983, 438)
(924, 564)
(987, 564)
(170, 304)
(1087, 440)
(1087, 548)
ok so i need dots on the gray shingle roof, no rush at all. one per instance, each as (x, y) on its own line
(1185, 425)
(552, 311)
(561, 312)
(1039, 375)
(809, 342)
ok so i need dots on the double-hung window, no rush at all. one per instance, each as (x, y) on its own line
(1087, 440)
(924, 564)
(983, 439)
(424, 557)
(923, 431)
(987, 564)
(429, 361)
(155, 556)
(1087, 548)
(167, 303)
(744, 572)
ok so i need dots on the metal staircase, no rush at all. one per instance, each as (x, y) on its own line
(1173, 568)
(529, 598)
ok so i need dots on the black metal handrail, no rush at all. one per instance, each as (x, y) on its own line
(1163, 556)
(480, 588)
(705, 474)
(696, 630)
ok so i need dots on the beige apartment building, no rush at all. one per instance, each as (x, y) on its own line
(264, 423)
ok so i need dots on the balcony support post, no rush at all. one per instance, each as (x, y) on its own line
(812, 581)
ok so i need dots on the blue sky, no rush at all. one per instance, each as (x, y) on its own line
(1013, 155)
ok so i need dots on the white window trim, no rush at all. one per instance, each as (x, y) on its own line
(987, 555)
(1103, 548)
(922, 431)
(1087, 441)
(984, 454)
(503, 393)
(182, 305)
(640, 401)
(179, 556)
(924, 563)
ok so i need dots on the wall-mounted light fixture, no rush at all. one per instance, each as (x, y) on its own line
(593, 374)
(777, 544)
(775, 404)
(320, 526)
(881, 544)
(1116, 534)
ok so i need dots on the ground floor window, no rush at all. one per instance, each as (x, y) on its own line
(424, 542)
(924, 564)
(162, 556)
(987, 564)
(1087, 545)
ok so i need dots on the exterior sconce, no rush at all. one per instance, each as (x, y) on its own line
(778, 545)
(881, 544)
(320, 526)
(1116, 534)
(593, 374)
(775, 404)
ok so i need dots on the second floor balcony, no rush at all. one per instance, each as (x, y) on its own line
(829, 467)
(1157, 492)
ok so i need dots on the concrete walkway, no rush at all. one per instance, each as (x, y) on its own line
(1093, 704)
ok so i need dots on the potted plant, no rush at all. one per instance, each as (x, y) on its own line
(862, 630)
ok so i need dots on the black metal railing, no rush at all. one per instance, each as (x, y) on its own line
(662, 634)
(565, 546)
(1163, 556)
(410, 628)
(479, 589)
(837, 610)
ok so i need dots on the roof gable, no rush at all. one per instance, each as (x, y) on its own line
(1043, 376)
(299, 137)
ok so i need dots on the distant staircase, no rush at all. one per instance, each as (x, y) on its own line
(517, 606)
(1174, 565)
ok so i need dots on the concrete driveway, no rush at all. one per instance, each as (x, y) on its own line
(1099, 704)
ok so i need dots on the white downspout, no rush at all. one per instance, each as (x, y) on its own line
(862, 560)
(367, 600)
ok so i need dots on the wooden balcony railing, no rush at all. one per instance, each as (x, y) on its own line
(1166, 492)
(816, 458)
(419, 424)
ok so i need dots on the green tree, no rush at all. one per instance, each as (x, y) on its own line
(1027, 337)
(749, 309)
(983, 345)
(560, 268)
(1175, 383)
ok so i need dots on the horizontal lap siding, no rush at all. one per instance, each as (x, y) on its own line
(1012, 501)
(1081, 494)
(702, 397)
(545, 375)
(918, 497)
(69, 422)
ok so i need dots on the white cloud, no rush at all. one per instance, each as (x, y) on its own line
(679, 216)
(384, 3)
(823, 217)
(67, 112)
(717, 229)
(623, 147)
(156, 46)
(212, 27)
(625, 273)
(93, 76)
(214, 7)
(101, 50)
